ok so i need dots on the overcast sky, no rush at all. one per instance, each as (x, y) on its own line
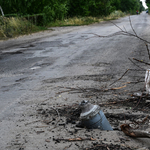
(143, 1)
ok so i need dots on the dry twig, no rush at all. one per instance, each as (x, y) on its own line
(124, 75)
(32, 122)
(74, 139)
(136, 64)
(141, 61)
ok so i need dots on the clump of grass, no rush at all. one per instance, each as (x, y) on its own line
(115, 15)
(14, 26)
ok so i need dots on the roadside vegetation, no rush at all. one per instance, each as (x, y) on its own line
(14, 26)
(25, 17)
(77, 21)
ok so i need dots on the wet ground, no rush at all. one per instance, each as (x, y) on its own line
(44, 77)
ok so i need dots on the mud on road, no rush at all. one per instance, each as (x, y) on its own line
(45, 77)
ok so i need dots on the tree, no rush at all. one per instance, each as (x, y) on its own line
(148, 3)
(130, 5)
(89, 7)
(116, 4)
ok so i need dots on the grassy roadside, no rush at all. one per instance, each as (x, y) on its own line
(78, 21)
(15, 26)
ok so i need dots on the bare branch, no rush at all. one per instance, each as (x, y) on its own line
(132, 26)
(124, 75)
(117, 26)
(141, 61)
(136, 64)
(120, 77)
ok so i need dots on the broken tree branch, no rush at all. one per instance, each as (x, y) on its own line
(132, 26)
(134, 133)
(128, 130)
(120, 77)
(123, 32)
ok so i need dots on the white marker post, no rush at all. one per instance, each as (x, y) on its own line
(2, 11)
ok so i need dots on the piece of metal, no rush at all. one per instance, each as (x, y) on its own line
(92, 117)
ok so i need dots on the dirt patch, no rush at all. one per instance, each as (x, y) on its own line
(72, 114)
(66, 116)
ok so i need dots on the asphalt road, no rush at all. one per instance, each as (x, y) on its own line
(66, 52)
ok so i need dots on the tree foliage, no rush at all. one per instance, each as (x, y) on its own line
(148, 3)
(59, 9)
(130, 5)
(89, 7)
